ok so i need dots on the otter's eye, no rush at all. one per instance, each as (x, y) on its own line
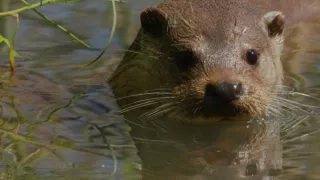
(252, 57)
(185, 60)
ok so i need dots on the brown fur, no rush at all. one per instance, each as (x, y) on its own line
(217, 33)
(220, 49)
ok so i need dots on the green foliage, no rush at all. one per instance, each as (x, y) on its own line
(5, 40)
(33, 7)
(57, 25)
(114, 24)
(22, 152)
(26, 150)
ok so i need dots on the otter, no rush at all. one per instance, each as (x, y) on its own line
(206, 62)
(217, 68)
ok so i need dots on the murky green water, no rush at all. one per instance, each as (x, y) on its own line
(57, 121)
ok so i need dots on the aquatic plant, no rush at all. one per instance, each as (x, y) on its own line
(33, 7)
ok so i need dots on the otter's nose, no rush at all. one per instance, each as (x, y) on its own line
(224, 91)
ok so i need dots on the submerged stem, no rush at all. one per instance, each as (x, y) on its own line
(12, 52)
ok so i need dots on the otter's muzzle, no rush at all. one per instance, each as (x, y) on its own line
(223, 92)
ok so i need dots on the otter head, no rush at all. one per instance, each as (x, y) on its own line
(216, 59)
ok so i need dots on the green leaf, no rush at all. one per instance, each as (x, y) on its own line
(5, 40)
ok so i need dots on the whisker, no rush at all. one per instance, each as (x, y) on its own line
(299, 136)
(293, 109)
(293, 125)
(138, 106)
(160, 126)
(195, 111)
(146, 100)
(293, 93)
(154, 111)
(294, 80)
(139, 125)
(144, 94)
(282, 88)
(289, 105)
(271, 109)
(274, 111)
(304, 95)
(159, 113)
(274, 107)
(297, 103)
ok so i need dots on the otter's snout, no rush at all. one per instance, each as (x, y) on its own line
(225, 92)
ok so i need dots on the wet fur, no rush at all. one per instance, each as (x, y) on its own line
(220, 47)
(148, 84)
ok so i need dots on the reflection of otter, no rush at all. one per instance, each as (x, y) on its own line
(199, 62)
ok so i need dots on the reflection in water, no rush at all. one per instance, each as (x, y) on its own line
(301, 158)
(47, 131)
(58, 122)
(226, 150)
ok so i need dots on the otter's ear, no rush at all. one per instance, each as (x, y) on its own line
(274, 21)
(153, 21)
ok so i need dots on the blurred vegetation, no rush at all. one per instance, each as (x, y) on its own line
(33, 7)
(29, 142)
(21, 148)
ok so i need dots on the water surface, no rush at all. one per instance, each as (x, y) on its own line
(57, 121)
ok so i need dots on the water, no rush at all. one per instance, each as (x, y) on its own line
(75, 141)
